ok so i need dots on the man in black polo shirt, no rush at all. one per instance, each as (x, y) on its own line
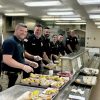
(13, 55)
(72, 42)
(46, 45)
(54, 47)
(61, 46)
(34, 45)
(0, 56)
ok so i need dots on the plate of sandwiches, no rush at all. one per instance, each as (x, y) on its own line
(90, 71)
(86, 80)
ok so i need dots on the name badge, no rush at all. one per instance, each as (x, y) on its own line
(33, 44)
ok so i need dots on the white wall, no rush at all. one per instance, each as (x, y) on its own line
(30, 22)
(1, 22)
(92, 35)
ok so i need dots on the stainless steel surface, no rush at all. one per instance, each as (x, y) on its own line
(73, 62)
(73, 55)
(14, 92)
(62, 94)
(85, 89)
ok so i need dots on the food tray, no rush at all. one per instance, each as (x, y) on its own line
(79, 91)
(45, 87)
(86, 80)
(35, 95)
(89, 71)
(45, 81)
(65, 74)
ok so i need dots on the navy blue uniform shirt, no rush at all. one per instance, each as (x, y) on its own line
(13, 46)
(61, 48)
(54, 48)
(72, 41)
(34, 46)
(46, 45)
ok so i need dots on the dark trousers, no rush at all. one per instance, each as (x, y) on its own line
(12, 77)
(36, 70)
(0, 88)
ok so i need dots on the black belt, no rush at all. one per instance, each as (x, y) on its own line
(7, 72)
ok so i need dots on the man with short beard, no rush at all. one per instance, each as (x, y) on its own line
(46, 45)
(14, 60)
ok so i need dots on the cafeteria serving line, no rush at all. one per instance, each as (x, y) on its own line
(49, 50)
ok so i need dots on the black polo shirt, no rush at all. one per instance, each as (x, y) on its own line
(54, 48)
(34, 46)
(13, 46)
(46, 45)
(0, 59)
(61, 47)
(72, 41)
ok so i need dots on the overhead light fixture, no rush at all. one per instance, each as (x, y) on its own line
(16, 14)
(87, 2)
(15, 10)
(60, 9)
(60, 13)
(70, 23)
(98, 26)
(52, 19)
(63, 16)
(97, 23)
(43, 3)
(0, 6)
(70, 18)
(94, 11)
(75, 21)
(94, 16)
(49, 19)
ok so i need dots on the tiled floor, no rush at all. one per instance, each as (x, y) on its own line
(4, 81)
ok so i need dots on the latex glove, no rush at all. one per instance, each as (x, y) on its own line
(27, 69)
(37, 58)
(51, 62)
(34, 64)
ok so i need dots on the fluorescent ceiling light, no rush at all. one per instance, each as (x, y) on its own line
(87, 2)
(0, 6)
(10, 11)
(70, 18)
(98, 26)
(60, 13)
(61, 9)
(54, 19)
(16, 14)
(75, 21)
(42, 3)
(94, 11)
(49, 19)
(97, 23)
(95, 16)
(63, 16)
(70, 23)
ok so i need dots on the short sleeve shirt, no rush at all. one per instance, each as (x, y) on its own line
(72, 41)
(13, 46)
(34, 46)
(46, 45)
(54, 48)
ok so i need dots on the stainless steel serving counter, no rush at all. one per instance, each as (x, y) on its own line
(14, 92)
(74, 54)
